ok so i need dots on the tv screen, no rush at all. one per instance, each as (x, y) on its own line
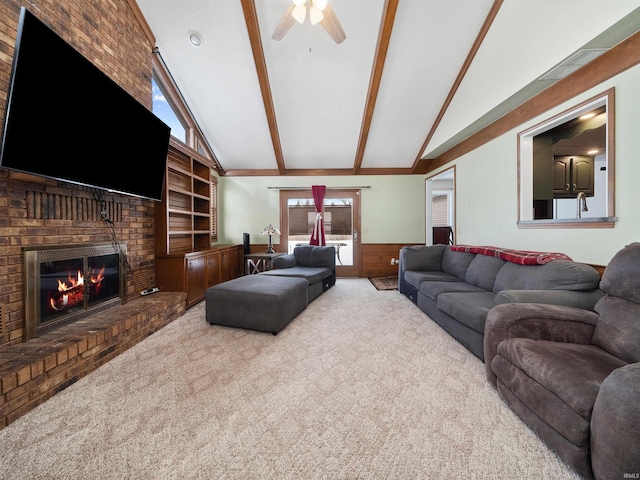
(67, 120)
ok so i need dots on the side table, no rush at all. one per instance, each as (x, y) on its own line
(259, 262)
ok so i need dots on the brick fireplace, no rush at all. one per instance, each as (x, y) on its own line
(48, 214)
(43, 222)
(64, 284)
(39, 212)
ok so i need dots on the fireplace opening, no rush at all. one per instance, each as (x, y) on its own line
(65, 284)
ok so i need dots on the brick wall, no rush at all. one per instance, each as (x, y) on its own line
(35, 211)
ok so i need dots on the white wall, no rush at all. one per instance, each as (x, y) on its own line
(392, 210)
(486, 183)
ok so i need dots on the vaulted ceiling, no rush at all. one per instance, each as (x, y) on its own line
(412, 79)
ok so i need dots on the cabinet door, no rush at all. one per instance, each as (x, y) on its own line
(237, 265)
(225, 266)
(561, 176)
(572, 174)
(213, 269)
(196, 267)
(582, 175)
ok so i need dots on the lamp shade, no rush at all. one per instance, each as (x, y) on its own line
(270, 230)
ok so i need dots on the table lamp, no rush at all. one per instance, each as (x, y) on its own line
(270, 230)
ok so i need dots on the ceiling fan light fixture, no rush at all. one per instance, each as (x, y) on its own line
(315, 15)
(320, 4)
(299, 13)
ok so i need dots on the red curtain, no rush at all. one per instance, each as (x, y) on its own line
(317, 236)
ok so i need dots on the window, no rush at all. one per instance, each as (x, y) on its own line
(164, 111)
(440, 214)
(214, 208)
(567, 163)
(170, 107)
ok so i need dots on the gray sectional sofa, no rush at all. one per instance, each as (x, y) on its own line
(268, 301)
(457, 289)
(316, 264)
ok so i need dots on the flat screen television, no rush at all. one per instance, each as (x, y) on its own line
(65, 119)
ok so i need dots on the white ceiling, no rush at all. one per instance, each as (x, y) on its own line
(320, 90)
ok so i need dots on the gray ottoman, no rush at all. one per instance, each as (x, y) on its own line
(256, 302)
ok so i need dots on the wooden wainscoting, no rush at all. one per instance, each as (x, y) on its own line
(376, 258)
(599, 268)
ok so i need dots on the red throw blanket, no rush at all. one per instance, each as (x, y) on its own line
(522, 257)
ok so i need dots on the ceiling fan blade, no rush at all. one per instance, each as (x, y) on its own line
(285, 23)
(332, 25)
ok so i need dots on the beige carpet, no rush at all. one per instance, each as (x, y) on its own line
(361, 385)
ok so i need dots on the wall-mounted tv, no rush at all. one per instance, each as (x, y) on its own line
(65, 119)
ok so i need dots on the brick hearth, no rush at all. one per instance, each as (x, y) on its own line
(33, 372)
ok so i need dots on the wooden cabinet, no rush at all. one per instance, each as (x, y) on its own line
(232, 265)
(213, 268)
(183, 217)
(573, 174)
(194, 272)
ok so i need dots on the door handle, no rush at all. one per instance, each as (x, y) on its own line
(574, 186)
(568, 186)
(355, 236)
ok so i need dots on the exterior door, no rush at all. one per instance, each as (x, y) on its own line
(341, 214)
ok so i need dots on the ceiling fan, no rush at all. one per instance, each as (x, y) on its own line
(319, 12)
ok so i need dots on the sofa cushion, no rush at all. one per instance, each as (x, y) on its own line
(315, 256)
(415, 278)
(618, 327)
(468, 308)
(558, 381)
(311, 274)
(433, 289)
(422, 258)
(556, 275)
(483, 270)
(285, 261)
(456, 263)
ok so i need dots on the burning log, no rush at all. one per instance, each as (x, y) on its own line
(70, 295)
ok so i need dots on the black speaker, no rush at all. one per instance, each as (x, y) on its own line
(247, 244)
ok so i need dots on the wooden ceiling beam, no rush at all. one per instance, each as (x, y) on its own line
(315, 172)
(384, 36)
(251, 19)
(418, 165)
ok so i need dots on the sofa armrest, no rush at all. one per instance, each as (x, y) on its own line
(536, 321)
(569, 298)
(615, 436)
(284, 261)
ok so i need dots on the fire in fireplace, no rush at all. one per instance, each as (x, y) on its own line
(65, 284)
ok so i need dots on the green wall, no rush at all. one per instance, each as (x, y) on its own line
(487, 195)
(392, 210)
